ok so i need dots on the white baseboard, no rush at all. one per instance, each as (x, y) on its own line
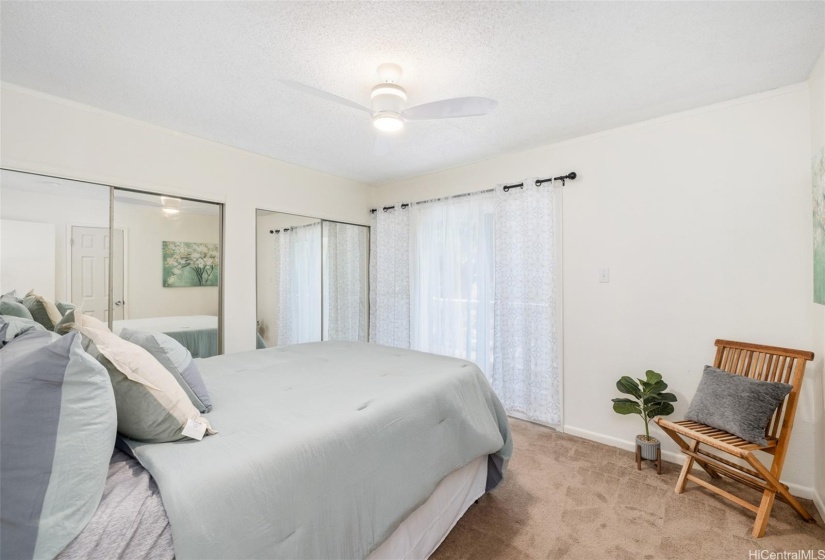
(798, 490)
(820, 504)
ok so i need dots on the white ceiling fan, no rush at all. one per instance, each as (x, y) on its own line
(388, 105)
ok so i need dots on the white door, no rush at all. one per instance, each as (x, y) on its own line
(90, 271)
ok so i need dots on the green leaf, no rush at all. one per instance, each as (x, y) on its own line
(627, 386)
(662, 409)
(656, 387)
(626, 406)
(652, 376)
(663, 397)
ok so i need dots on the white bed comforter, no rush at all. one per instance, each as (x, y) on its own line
(323, 449)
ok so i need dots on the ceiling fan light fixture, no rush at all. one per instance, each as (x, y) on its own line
(387, 122)
(389, 72)
(388, 89)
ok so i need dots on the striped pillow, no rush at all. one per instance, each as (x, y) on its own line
(151, 406)
(57, 434)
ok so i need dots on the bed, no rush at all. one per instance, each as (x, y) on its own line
(324, 450)
(198, 333)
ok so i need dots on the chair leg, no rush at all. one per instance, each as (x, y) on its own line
(682, 482)
(763, 514)
(771, 479)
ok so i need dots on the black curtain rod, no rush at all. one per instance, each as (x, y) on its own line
(563, 178)
(277, 230)
(570, 176)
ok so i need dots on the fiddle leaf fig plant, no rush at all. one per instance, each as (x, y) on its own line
(649, 398)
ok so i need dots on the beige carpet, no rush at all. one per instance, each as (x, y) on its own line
(565, 497)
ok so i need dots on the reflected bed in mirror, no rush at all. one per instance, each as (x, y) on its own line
(312, 278)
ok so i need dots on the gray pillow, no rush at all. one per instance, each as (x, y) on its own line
(43, 311)
(177, 360)
(13, 295)
(151, 404)
(12, 306)
(64, 325)
(11, 327)
(736, 404)
(64, 307)
(57, 434)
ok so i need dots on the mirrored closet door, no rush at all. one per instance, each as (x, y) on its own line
(312, 278)
(55, 246)
(131, 259)
(167, 268)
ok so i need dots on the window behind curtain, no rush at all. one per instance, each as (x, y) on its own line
(452, 278)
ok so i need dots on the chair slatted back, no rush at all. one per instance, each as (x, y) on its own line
(767, 363)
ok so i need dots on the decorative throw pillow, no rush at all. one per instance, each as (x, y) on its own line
(151, 406)
(64, 325)
(10, 305)
(64, 307)
(43, 311)
(177, 360)
(736, 404)
(13, 295)
(57, 435)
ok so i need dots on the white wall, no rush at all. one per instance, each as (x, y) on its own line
(817, 91)
(704, 219)
(27, 263)
(45, 134)
(146, 228)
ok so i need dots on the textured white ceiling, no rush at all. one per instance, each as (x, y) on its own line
(559, 70)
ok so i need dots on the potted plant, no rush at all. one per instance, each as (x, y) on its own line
(649, 400)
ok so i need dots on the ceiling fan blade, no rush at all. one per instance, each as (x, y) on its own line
(383, 145)
(325, 95)
(451, 108)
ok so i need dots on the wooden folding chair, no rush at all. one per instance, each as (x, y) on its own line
(765, 363)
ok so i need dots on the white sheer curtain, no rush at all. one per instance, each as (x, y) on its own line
(475, 277)
(526, 372)
(390, 277)
(345, 282)
(452, 278)
(299, 284)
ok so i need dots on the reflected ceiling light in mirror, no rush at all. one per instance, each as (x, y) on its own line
(171, 206)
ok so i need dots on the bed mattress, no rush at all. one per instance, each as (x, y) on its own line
(130, 522)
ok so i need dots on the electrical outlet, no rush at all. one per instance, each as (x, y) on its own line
(604, 275)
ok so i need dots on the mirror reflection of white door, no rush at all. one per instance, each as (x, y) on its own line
(90, 271)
